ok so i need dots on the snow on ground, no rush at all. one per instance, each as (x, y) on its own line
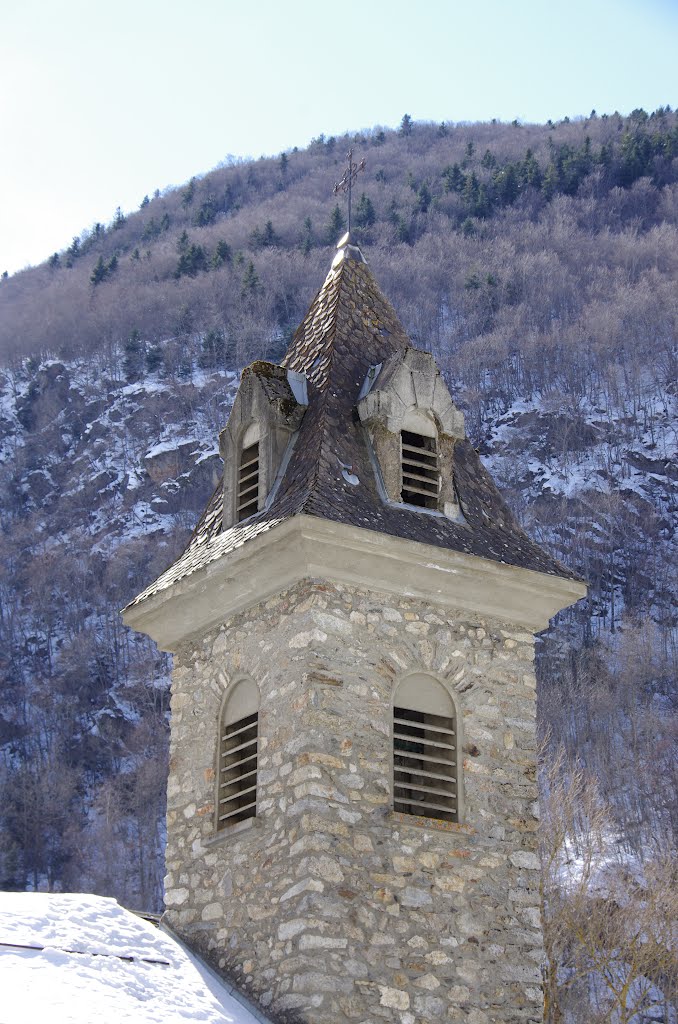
(608, 457)
(93, 962)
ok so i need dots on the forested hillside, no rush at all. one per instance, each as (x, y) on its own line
(537, 263)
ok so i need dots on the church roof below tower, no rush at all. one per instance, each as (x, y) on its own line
(78, 958)
(351, 330)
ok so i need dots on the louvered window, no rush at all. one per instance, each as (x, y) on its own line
(248, 482)
(421, 475)
(238, 754)
(425, 749)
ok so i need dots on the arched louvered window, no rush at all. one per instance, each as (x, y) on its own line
(247, 491)
(238, 752)
(419, 462)
(425, 750)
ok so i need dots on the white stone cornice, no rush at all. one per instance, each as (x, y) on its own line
(308, 547)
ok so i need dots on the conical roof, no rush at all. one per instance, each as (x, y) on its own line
(350, 327)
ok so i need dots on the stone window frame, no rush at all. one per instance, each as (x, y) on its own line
(241, 699)
(432, 686)
(410, 388)
(275, 423)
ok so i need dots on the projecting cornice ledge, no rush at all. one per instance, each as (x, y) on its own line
(306, 547)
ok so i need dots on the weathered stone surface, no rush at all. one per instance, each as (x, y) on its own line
(328, 904)
(394, 997)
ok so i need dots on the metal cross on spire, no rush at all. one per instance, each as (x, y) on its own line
(345, 184)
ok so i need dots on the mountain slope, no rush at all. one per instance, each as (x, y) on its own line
(544, 284)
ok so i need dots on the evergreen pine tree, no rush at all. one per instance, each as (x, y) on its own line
(453, 178)
(250, 281)
(530, 171)
(213, 352)
(134, 360)
(403, 231)
(154, 358)
(99, 272)
(405, 125)
(506, 185)
(549, 185)
(365, 215)
(222, 254)
(72, 252)
(151, 230)
(188, 193)
(423, 198)
(336, 226)
(269, 237)
(307, 238)
(207, 212)
(470, 192)
(484, 203)
(191, 260)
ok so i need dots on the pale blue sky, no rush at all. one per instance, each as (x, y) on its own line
(101, 103)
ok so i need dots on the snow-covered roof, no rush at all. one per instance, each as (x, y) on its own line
(79, 959)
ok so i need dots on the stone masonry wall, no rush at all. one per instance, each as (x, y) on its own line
(328, 906)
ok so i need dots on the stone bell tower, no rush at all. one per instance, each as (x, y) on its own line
(352, 806)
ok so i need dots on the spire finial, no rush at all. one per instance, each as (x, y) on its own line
(345, 184)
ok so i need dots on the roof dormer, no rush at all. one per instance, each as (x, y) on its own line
(256, 441)
(413, 426)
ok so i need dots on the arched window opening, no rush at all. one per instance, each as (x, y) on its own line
(238, 754)
(419, 462)
(425, 749)
(247, 499)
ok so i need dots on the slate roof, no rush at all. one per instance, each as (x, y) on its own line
(349, 327)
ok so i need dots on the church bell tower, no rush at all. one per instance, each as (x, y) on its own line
(352, 807)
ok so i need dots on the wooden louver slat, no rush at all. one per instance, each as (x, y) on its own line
(420, 472)
(238, 770)
(248, 482)
(424, 764)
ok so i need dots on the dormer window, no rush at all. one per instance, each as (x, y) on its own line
(257, 441)
(248, 481)
(420, 471)
(412, 426)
